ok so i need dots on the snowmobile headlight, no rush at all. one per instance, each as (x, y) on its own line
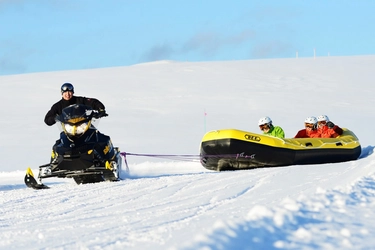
(82, 128)
(77, 129)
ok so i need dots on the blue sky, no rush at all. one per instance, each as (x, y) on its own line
(53, 35)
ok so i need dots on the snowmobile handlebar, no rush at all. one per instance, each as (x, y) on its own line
(99, 114)
(94, 114)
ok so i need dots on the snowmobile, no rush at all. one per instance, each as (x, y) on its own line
(81, 153)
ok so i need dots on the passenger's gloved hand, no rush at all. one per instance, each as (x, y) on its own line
(315, 127)
(330, 124)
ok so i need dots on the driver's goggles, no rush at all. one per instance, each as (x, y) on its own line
(263, 127)
(67, 88)
(309, 125)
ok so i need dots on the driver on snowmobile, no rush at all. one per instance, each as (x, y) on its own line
(78, 133)
(67, 91)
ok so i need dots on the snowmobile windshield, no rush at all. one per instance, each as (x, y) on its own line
(76, 119)
(76, 114)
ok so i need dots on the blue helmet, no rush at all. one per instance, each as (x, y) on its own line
(67, 87)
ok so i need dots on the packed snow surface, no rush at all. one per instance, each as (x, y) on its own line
(165, 108)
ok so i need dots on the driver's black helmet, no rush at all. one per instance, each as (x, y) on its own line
(67, 87)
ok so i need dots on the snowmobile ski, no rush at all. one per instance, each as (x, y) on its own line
(31, 182)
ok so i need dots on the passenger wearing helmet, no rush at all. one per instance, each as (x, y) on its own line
(310, 130)
(328, 129)
(67, 91)
(265, 124)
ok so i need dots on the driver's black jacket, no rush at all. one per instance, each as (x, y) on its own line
(57, 108)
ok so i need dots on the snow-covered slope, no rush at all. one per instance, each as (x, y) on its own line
(159, 108)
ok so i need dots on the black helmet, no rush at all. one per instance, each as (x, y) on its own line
(67, 87)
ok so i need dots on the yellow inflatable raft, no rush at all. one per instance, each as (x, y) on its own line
(232, 149)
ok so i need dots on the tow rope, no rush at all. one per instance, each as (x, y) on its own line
(170, 157)
(184, 157)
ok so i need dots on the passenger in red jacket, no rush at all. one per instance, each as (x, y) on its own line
(328, 129)
(310, 130)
